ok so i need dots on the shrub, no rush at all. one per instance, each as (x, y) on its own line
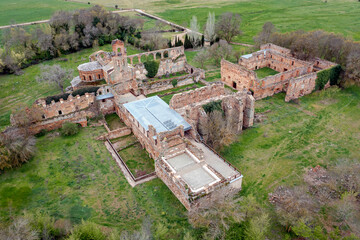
(152, 68)
(87, 231)
(213, 106)
(56, 98)
(69, 129)
(41, 133)
(82, 91)
(331, 74)
(174, 82)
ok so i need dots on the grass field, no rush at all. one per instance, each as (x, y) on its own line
(23, 90)
(75, 177)
(264, 72)
(333, 16)
(20, 11)
(137, 160)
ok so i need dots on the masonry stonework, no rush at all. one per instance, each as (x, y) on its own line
(242, 76)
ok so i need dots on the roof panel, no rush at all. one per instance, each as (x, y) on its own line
(154, 111)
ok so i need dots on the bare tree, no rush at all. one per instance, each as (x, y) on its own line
(353, 66)
(201, 57)
(55, 75)
(214, 130)
(17, 147)
(265, 35)
(220, 50)
(228, 26)
(217, 218)
(19, 229)
(209, 32)
(153, 40)
(194, 35)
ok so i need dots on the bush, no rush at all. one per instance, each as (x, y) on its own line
(152, 68)
(331, 74)
(41, 133)
(213, 106)
(82, 91)
(87, 231)
(69, 129)
(174, 82)
(56, 98)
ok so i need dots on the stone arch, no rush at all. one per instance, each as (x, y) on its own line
(143, 58)
(157, 55)
(166, 54)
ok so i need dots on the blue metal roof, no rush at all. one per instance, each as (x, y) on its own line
(154, 111)
(105, 96)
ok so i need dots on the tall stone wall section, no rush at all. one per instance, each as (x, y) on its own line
(233, 73)
(200, 94)
(301, 86)
(64, 107)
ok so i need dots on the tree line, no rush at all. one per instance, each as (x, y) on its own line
(67, 32)
(308, 45)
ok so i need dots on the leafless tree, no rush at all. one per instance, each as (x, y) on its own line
(19, 229)
(220, 50)
(264, 36)
(153, 40)
(55, 75)
(17, 147)
(228, 26)
(217, 218)
(194, 35)
(215, 131)
(209, 32)
(353, 66)
(201, 57)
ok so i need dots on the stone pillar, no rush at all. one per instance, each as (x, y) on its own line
(139, 58)
(249, 111)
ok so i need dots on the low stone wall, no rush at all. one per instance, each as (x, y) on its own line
(300, 86)
(115, 133)
(165, 84)
(125, 170)
(57, 122)
(200, 94)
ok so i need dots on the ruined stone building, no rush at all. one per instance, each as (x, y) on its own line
(296, 77)
(192, 171)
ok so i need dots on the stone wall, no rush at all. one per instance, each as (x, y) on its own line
(276, 48)
(64, 107)
(57, 122)
(300, 86)
(107, 106)
(200, 94)
(149, 87)
(237, 76)
(115, 133)
(91, 76)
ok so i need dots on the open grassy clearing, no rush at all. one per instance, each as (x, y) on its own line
(23, 90)
(294, 137)
(20, 11)
(137, 160)
(264, 72)
(333, 16)
(114, 122)
(75, 177)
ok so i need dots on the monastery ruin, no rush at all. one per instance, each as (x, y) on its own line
(193, 171)
(296, 77)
